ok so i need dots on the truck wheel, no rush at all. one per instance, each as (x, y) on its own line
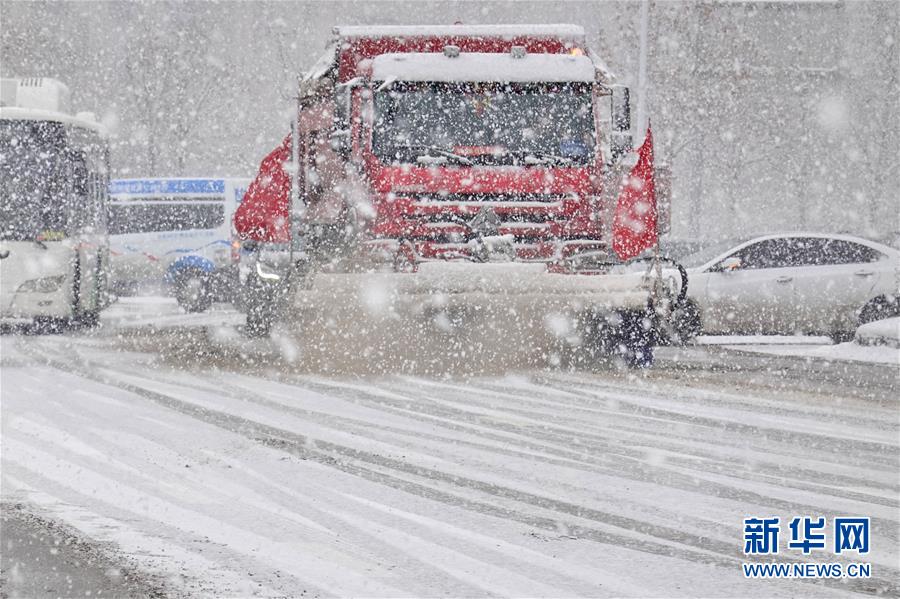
(623, 336)
(258, 323)
(635, 339)
(259, 303)
(192, 290)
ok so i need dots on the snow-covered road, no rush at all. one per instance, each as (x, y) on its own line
(237, 478)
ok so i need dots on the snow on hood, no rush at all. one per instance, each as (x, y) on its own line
(476, 66)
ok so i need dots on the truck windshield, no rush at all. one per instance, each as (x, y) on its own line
(33, 180)
(484, 123)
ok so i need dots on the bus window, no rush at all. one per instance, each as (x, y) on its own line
(33, 180)
(151, 217)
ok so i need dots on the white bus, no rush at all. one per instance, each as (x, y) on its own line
(175, 233)
(54, 248)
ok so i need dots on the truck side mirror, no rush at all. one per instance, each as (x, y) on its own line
(340, 131)
(620, 125)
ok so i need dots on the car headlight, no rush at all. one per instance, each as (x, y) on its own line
(266, 272)
(44, 285)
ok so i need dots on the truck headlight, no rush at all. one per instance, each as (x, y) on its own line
(44, 285)
(266, 272)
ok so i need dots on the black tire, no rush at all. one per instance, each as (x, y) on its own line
(259, 303)
(625, 337)
(88, 319)
(879, 308)
(841, 336)
(635, 340)
(192, 290)
(259, 324)
(50, 325)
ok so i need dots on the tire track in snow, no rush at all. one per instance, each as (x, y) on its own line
(95, 479)
(687, 444)
(689, 482)
(639, 474)
(635, 467)
(669, 542)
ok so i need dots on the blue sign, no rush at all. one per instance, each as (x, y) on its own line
(166, 186)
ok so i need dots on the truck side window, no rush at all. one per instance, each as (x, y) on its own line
(313, 180)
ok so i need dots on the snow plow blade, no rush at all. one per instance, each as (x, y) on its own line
(468, 316)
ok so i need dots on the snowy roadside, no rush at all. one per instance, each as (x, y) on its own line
(881, 332)
(874, 346)
(548, 483)
(46, 558)
(162, 312)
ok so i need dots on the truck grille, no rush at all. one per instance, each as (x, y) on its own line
(443, 222)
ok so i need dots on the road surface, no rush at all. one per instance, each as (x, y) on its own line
(227, 468)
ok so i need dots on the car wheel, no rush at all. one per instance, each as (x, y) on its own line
(879, 308)
(192, 290)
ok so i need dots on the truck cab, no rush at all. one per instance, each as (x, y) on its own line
(423, 140)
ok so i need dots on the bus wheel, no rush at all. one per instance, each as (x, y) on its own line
(88, 319)
(48, 325)
(192, 290)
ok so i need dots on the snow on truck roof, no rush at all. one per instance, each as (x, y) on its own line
(573, 32)
(477, 66)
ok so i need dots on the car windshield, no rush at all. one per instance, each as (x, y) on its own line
(488, 123)
(703, 256)
(33, 181)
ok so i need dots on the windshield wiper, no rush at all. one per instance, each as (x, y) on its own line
(441, 153)
(39, 243)
(545, 158)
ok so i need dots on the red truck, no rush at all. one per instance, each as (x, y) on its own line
(452, 175)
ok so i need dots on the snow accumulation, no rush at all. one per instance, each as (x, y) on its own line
(877, 342)
(570, 32)
(482, 66)
(762, 340)
(841, 351)
(881, 332)
(272, 482)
